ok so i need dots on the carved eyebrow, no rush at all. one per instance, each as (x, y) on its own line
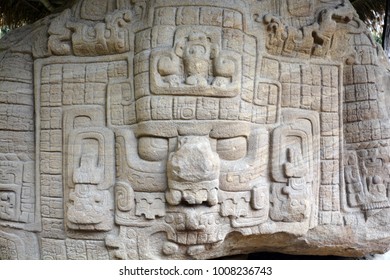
(230, 129)
(173, 129)
(157, 128)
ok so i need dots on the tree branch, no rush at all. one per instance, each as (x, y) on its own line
(47, 5)
(30, 5)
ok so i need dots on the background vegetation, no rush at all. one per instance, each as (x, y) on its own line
(15, 13)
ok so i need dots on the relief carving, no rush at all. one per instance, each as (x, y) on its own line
(11, 180)
(91, 166)
(374, 180)
(197, 65)
(354, 185)
(195, 129)
(109, 37)
(311, 40)
(296, 158)
(8, 205)
(193, 173)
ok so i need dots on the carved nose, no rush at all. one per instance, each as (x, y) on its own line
(194, 160)
(193, 172)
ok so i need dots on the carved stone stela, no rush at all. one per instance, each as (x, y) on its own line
(135, 129)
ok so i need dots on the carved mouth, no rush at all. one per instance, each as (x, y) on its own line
(192, 193)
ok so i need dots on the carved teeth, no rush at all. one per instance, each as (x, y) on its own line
(173, 197)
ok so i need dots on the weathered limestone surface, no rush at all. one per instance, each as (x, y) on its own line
(135, 129)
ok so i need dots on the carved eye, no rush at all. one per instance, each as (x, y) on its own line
(232, 148)
(153, 148)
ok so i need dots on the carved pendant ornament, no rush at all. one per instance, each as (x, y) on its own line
(194, 130)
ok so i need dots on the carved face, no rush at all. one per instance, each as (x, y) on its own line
(6, 176)
(184, 121)
(197, 47)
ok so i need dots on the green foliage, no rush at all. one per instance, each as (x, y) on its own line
(369, 9)
(3, 30)
(377, 38)
(372, 12)
(14, 13)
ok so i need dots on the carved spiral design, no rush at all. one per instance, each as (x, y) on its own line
(124, 196)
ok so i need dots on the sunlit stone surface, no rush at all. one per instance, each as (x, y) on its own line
(194, 129)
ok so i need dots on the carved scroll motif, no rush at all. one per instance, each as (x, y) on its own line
(313, 40)
(11, 175)
(12, 247)
(109, 37)
(90, 162)
(295, 166)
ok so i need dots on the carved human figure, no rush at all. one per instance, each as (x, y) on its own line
(197, 53)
